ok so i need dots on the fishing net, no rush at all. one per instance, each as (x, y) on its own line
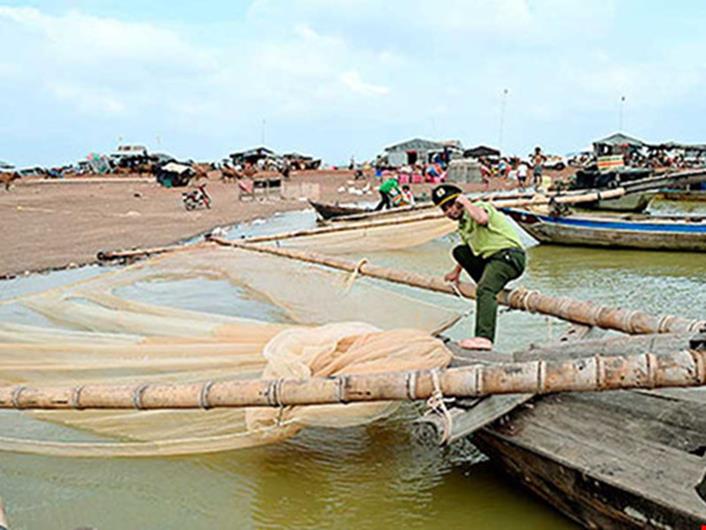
(99, 331)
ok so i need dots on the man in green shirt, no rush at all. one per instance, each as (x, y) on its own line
(389, 189)
(491, 254)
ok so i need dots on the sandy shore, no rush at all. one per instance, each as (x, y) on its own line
(55, 225)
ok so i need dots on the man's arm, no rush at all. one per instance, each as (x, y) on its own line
(479, 215)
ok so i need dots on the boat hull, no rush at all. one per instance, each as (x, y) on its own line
(632, 202)
(613, 233)
(572, 451)
(330, 211)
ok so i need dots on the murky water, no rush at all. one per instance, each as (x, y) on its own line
(377, 476)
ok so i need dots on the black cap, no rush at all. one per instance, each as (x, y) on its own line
(445, 193)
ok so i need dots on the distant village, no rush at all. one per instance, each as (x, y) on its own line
(416, 160)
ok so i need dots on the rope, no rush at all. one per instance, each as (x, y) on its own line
(457, 292)
(594, 315)
(437, 404)
(76, 397)
(354, 275)
(203, 395)
(137, 396)
(341, 384)
(16, 396)
(627, 321)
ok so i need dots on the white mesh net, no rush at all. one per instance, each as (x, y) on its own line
(95, 331)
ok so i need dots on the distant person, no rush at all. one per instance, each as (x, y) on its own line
(389, 190)
(407, 196)
(522, 173)
(485, 174)
(286, 169)
(491, 253)
(503, 168)
(538, 160)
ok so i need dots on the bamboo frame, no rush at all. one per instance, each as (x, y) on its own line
(495, 198)
(587, 313)
(680, 369)
(404, 219)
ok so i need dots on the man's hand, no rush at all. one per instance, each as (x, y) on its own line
(453, 276)
(464, 201)
(479, 215)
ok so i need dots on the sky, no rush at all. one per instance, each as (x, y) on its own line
(342, 78)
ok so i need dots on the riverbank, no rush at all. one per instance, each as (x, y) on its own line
(61, 225)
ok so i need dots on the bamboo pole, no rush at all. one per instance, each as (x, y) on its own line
(344, 228)
(536, 200)
(625, 320)
(499, 199)
(485, 196)
(680, 369)
(110, 255)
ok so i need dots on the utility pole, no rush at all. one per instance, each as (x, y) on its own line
(503, 103)
(620, 118)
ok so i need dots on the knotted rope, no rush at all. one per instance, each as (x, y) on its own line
(354, 275)
(437, 404)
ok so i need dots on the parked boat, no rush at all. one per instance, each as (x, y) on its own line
(329, 211)
(625, 231)
(641, 186)
(625, 459)
(630, 202)
(682, 195)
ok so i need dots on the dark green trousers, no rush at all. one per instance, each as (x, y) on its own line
(491, 276)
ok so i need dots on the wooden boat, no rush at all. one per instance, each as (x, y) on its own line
(622, 459)
(641, 232)
(682, 195)
(630, 202)
(329, 211)
(625, 459)
(641, 186)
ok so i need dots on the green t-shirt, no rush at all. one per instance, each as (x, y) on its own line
(389, 185)
(486, 240)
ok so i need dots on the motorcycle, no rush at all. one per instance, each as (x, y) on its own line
(196, 198)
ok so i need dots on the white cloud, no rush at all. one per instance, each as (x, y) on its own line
(354, 82)
(87, 100)
(344, 74)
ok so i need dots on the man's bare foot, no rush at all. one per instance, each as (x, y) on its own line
(476, 343)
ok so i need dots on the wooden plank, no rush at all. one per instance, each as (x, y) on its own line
(622, 345)
(672, 422)
(574, 450)
(469, 418)
(692, 395)
(464, 357)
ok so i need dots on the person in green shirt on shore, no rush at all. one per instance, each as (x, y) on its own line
(491, 253)
(389, 190)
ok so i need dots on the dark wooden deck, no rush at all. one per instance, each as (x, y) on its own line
(621, 459)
